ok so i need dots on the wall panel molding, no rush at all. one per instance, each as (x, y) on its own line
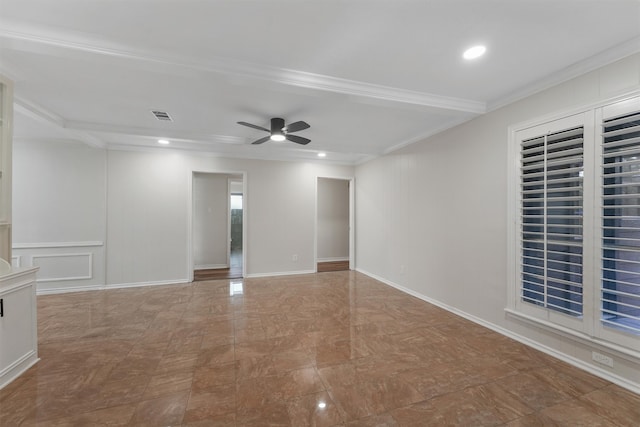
(65, 273)
(49, 245)
(64, 266)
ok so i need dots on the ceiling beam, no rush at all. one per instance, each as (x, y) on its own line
(29, 41)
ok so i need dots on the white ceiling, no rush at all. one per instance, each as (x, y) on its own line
(368, 76)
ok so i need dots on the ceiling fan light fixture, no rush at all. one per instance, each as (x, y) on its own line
(279, 132)
(474, 52)
(322, 154)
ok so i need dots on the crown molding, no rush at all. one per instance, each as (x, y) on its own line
(37, 112)
(448, 125)
(43, 115)
(174, 135)
(577, 69)
(286, 156)
(234, 68)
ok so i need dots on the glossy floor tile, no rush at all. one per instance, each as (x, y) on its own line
(326, 349)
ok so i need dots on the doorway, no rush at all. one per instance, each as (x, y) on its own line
(334, 224)
(217, 226)
(236, 229)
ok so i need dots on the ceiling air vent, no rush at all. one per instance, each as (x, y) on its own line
(162, 115)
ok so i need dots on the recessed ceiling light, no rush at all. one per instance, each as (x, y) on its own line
(474, 52)
(322, 154)
(163, 142)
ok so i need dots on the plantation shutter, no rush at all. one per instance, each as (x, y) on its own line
(551, 221)
(620, 284)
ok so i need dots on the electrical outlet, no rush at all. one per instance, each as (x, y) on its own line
(294, 258)
(602, 359)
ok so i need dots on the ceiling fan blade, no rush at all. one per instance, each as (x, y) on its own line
(261, 140)
(253, 126)
(298, 139)
(297, 126)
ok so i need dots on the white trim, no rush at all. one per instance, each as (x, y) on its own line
(210, 266)
(202, 138)
(48, 245)
(607, 56)
(37, 112)
(333, 259)
(595, 370)
(17, 286)
(191, 172)
(235, 68)
(68, 289)
(352, 225)
(59, 279)
(17, 368)
(559, 114)
(433, 131)
(623, 352)
(280, 273)
(143, 284)
(591, 112)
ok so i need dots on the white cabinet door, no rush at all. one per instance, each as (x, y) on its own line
(18, 328)
(16, 332)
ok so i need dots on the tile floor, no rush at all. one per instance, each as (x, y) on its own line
(328, 349)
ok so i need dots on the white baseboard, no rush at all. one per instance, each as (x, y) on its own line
(599, 372)
(17, 368)
(210, 266)
(64, 290)
(334, 259)
(141, 284)
(282, 273)
(68, 289)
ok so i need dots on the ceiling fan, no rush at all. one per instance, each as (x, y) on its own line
(280, 132)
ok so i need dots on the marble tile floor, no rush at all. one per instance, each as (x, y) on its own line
(326, 349)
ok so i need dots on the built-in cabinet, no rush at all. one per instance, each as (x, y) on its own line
(18, 327)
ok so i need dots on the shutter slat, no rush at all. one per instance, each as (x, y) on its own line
(622, 131)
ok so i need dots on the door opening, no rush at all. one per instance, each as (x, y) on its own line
(334, 245)
(217, 233)
(235, 232)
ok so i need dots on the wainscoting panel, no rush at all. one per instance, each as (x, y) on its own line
(58, 267)
(64, 266)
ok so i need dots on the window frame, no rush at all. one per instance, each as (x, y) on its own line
(583, 120)
(587, 327)
(602, 332)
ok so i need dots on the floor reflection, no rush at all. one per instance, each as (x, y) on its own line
(329, 349)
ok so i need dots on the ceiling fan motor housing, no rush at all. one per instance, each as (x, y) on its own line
(277, 125)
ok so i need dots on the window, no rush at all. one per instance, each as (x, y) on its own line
(551, 218)
(620, 292)
(576, 228)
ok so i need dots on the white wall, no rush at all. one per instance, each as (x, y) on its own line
(68, 197)
(149, 211)
(210, 220)
(333, 219)
(432, 217)
(59, 212)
